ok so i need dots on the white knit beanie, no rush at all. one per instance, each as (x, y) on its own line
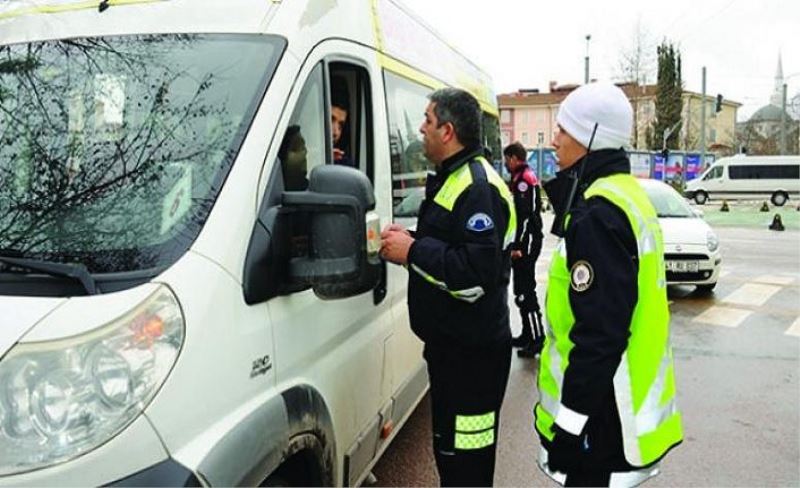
(601, 103)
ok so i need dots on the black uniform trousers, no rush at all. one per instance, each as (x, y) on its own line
(466, 384)
(524, 276)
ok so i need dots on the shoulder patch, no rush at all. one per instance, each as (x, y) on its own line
(530, 177)
(480, 222)
(581, 276)
(522, 187)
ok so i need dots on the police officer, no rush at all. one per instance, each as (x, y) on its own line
(526, 248)
(607, 411)
(459, 266)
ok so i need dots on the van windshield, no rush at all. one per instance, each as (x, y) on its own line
(114, 149)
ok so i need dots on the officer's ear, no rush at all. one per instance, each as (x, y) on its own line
(448, 132)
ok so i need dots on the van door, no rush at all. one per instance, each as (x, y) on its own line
(336, 347)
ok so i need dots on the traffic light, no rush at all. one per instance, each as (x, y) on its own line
(718, 106)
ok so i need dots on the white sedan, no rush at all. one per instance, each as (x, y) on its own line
(691, 248)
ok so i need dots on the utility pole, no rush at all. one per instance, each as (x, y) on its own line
(703, 123)
(783, 121)
(586, 61)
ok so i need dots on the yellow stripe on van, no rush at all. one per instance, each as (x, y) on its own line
(54, 9)
(376, 25)
(400, 68)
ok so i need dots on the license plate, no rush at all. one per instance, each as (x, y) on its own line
(683, 266)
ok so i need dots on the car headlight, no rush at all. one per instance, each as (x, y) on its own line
(712, 241)
(63, 398)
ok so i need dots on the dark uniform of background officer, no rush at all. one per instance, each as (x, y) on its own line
(526, 248)
(459, 267)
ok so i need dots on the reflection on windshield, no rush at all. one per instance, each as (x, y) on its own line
(668, 203)
(113, 150)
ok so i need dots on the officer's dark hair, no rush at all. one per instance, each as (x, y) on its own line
(516, 149)
(461, 109)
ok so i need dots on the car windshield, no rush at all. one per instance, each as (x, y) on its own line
(668, 203)
(114, 149)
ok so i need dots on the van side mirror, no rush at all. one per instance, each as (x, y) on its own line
(339, 238)
(344, 235)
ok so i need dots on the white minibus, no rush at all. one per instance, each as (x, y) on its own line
(748, 177)
(190, 288)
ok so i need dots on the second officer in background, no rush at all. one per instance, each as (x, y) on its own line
(526, 248)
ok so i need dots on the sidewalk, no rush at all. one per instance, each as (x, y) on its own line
(749, 214)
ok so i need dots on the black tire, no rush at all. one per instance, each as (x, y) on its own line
(706, 288)
(779, 198)
(701, 198)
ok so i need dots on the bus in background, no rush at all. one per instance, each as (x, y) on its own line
(748, 177)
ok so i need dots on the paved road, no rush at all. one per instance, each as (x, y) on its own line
(737, 356)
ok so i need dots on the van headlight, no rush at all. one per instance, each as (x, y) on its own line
(712, 241)
(63, 398)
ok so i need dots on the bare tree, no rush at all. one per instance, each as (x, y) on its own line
(636, 65)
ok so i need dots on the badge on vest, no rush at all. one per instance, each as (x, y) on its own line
(480, 222)
(522, 187)
(582, 276)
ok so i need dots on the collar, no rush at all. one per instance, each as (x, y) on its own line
(599, 164)
(451, 164)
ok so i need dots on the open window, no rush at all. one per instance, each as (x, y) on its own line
(331, 124)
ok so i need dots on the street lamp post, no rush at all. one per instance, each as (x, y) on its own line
(586, 61)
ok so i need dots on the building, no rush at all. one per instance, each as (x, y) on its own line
(529, 117)
(761, 134)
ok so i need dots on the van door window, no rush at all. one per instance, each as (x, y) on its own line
(405, 105)
(347, 119)
(304, 144)
(351, 116)
(715, 173)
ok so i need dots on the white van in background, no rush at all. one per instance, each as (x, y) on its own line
(748, 177)
(190, 291)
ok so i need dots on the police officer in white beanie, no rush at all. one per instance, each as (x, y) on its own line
(607, 413)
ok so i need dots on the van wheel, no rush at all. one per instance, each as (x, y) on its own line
(701, 197)
(779, 198)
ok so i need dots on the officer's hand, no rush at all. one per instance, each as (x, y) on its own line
(516, 254)
(395, 228)
(395, 245)
(567, 452)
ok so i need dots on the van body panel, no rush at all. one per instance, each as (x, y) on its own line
(20, 314)
(226, 367)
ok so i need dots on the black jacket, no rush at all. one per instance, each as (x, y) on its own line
(598, 233)
(528, 204)
(450, 249)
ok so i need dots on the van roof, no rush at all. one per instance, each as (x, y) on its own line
(747, 159)
(406, 44)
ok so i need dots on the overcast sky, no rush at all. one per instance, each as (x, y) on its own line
(527, 43)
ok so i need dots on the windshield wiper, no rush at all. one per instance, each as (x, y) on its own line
(77, 272)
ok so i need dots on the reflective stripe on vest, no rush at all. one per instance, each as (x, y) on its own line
(461, 179)
(447, 196)
(644, 382)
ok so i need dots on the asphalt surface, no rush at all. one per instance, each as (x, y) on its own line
(737, 359)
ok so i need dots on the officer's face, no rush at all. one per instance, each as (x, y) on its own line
(434, 136)
(568, 150)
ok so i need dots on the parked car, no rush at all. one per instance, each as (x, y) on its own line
(691, 248)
